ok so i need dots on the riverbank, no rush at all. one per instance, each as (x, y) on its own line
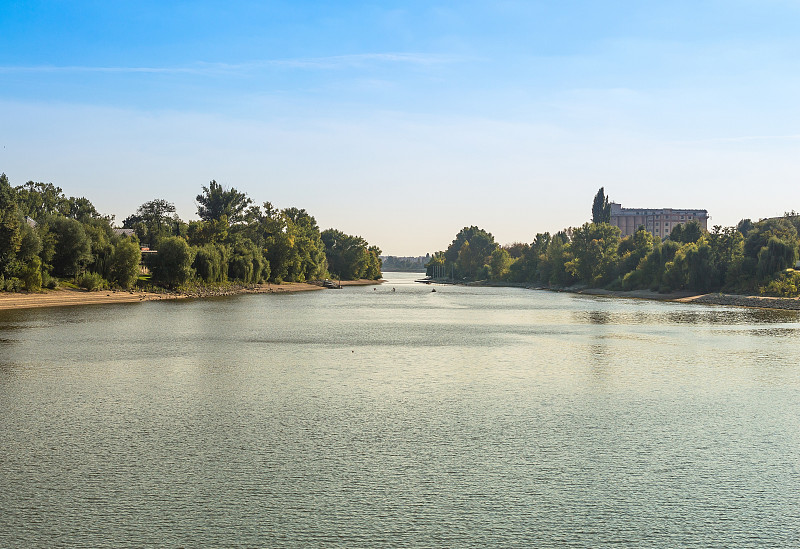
(63, 297)
(730, 300)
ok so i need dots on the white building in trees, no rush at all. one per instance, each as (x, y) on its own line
(659, 222)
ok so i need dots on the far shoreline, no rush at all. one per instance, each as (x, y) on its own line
(729, 300)
(64, 297)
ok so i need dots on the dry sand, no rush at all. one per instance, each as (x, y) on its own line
(730, 300)
(754, 301)
(70, 296)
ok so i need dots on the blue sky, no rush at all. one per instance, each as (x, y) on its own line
(405, 121)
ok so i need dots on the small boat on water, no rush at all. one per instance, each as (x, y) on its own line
(331, 284)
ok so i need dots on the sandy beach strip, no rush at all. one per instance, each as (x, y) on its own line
(731, 300)
(70, 296)
(682, 296)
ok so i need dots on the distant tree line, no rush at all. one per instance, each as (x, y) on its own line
(406, 264)
(45, 236)
(748, 258)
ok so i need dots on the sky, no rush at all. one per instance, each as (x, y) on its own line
(403, 122)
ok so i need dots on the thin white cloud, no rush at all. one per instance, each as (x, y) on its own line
(77, 69)
(744, 139)
(329, 63)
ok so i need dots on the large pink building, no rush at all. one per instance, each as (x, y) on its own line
(659, 222)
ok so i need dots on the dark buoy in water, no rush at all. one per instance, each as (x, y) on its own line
(433, 290)
(392, 289)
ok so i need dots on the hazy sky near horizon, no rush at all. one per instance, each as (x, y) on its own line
(405, 121)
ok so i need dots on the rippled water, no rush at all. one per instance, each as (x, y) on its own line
(364, 417)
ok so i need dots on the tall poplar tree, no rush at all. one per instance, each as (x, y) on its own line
(601, 209)
(10, 235)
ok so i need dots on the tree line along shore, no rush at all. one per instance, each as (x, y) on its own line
(751, 258)
(49, 241)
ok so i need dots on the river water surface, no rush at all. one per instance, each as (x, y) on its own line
(366, 417)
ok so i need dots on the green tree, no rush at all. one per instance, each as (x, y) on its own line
(776, 256)
(727, 250)
(633, 249)
(499, 262)
(601, 209)
(211, 262)
(308, 260)
(246, 263)
(101, 236)
(594, 248)
(201, 232)
(374, 264)
(435, 266)
(72, 248)
(553, 268)
(80, 209)
(686, 232)
(10, 237)
(173, 262)
(28, 264)
(152, 221)
(744, 226)
(350, 257)
(32, 275)
(215, 201)
(523, 267)
(756, 264)
(649, 274)
(39, 200)
(124, 263)
(702, 273)
(481, 246)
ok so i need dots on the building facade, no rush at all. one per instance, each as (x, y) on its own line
(659, 222)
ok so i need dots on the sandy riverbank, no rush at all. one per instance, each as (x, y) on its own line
(760, 302)
(70, 296)
(730, 300)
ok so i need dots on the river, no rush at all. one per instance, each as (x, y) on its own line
(395, 416)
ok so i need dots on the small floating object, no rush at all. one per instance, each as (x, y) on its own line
(433, 290)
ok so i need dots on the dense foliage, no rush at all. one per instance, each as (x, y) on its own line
(45, 236)
(749, 258)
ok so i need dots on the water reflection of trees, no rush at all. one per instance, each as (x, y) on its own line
(738, 316)
(687, 316)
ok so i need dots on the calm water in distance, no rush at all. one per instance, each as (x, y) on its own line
(362, 417)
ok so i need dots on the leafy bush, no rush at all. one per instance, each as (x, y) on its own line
(787, 284)
(72, 251)
(32, 275)
(634, 280)
(246, 263)
(173, 262)
(49, 282)
(91, 282)
(211, 263)
(776, 256)
(125, 261)
(13, 284)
